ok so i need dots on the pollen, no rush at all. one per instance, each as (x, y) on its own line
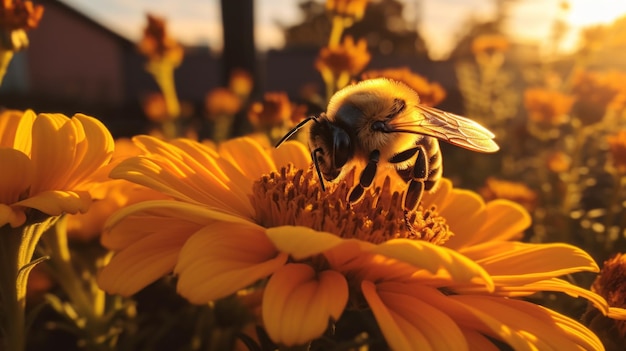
(294, 197)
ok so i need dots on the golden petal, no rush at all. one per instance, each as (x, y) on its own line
(11, 216)
(223, 258)
(15, 129)
(293, 152)
(302, 242)
(438, 197)
(464, 212)
(478, 342)
(141, 263)
(206, 190)
(94, 149)
(409, 322)
(137, 226)
(435, 259)
(52, 151)
(505, 220)
(299, 302)
(519, 263)
(247, 155)
(16, 176)
(55, 202)
(188, 216)
(522, 324)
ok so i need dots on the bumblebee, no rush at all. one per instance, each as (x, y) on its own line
(380, 122)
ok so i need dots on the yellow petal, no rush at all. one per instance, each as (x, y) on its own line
(135, 221)
(223, 258)
(617, 313)
(303, 242)
(12, 216)
(298, 303)
(293, 152)
(15, 130)
(505, 220)
(179, 180)
(436, 260)
(94, 149)
(410, 323)
(16, 175)
(438, 196)
(175, 209)
(478, 342)
(247, 155)
(141, 263)
(55, 203)
(52, 151)
(464, 211)
(524, 325)
(519, 263)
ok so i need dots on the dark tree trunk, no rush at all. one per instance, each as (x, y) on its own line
(239, 50)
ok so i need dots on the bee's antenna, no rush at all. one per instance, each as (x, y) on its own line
(317, 167)
(295, 129)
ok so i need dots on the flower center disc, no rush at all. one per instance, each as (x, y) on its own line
(294, 197)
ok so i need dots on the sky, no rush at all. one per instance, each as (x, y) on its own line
(198, 21)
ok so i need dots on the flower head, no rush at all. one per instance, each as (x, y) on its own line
(489, 44)
(16, 17)
(243, 219)
(617, 147)
(610, 284)
(547, 107)
(157, 45)
(517, 192)
(351, 9)
(240, 82)
(53, 161)
(109, 196)
(19, 14)
(221, 102)
(431, 94)
(349, 57)
(597, 92)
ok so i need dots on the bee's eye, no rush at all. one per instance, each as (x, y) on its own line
(379, 126)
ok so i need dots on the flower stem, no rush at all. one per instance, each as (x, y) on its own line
(85, 297)
(5, 59)
(336, 31)
(163, 73)
(17, 246)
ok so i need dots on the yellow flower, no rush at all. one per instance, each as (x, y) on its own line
(243, 220)
(240, 82)
(339, 63)
(431, 94)
(610, 284)
(48, 163)
(489, 44)
(157, 45)
(18, 14)
(547, 108)
(597, 92)
(350, 57)
(617, 147)
(352, 9)
(221, 102)
(517, 192)
(558, 162)
(109, 196)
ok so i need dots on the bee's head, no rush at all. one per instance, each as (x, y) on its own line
(331, 148)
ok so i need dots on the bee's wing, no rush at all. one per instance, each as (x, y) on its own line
(455, 129)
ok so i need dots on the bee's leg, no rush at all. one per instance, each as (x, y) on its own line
(414, 176)
(366, 178)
